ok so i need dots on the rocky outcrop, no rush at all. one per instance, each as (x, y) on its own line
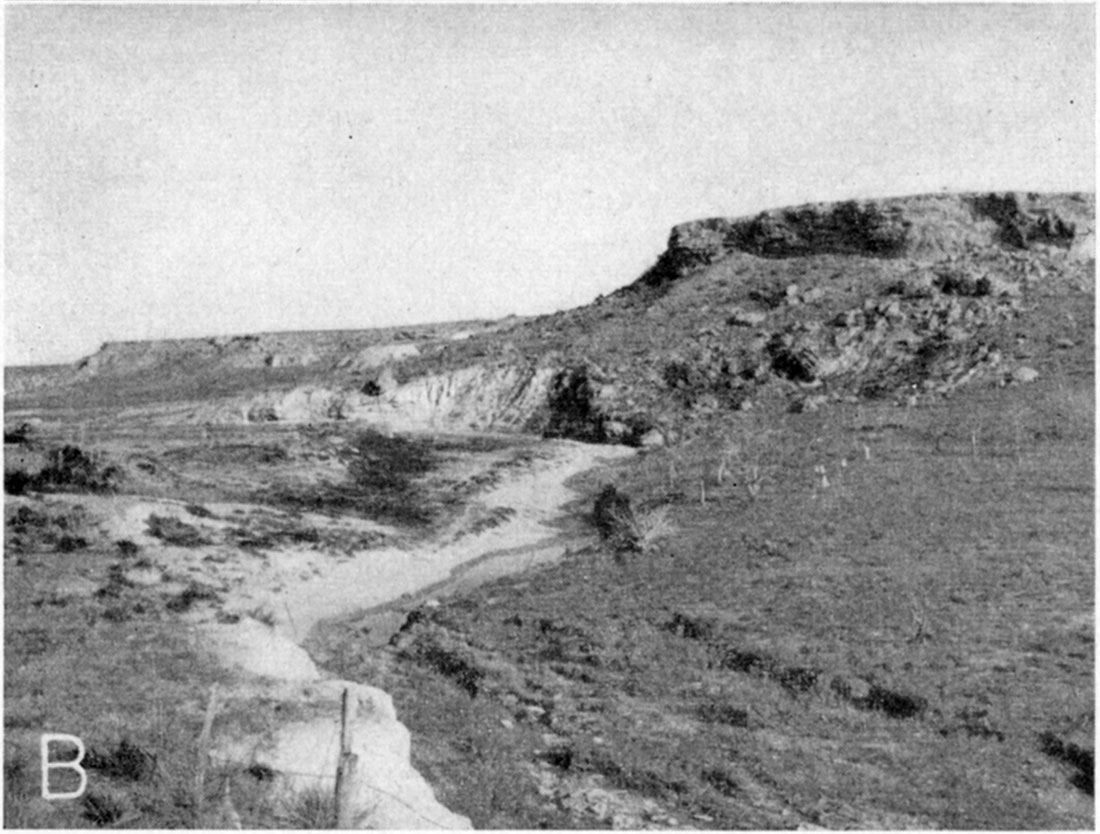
(345, 350)
(386, 792)
(862, 298)
(377, 356)
(924, 226)
(478, 397)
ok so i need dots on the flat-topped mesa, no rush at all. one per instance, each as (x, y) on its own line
(923, 227)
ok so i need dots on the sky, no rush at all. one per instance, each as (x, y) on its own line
(199, 170)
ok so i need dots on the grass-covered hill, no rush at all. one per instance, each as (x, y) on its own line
(847, 581)
(859, 586)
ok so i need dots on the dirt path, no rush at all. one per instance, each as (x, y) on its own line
(264, 602)
(533, 501)
(307, 749)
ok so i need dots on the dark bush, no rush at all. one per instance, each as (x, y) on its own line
(189, 596)
(67, 544)
(102, 808)
(573, 412)
(70, 470)
(127, 761)
(19, 434)
(17, 482)
(387, 463)
(173, 531)
(127, 548)
(953, 281)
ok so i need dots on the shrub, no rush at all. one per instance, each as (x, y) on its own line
(173, 531)
(127, 548)
(31, 528)
(19, 434)
(190, 595)
(17, 482)
(626, 529)
(70, 470)
(67, 544)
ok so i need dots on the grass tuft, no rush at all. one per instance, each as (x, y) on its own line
(173, 531)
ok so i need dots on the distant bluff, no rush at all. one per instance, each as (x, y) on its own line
(926, 227)
(789, 309)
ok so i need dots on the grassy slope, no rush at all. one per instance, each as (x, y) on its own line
(120, 671)
(961, 574)
(948, 561)
(89, 653)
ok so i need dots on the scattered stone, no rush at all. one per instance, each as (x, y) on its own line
(955, 281)
(616, 430)
(144, 577)
(260, 650)
(746, 318)
(380, 383)
(851, 688)
(1024, 375)
(808, 404)
(892, 310)
(531, 712)
(995, 285)
(77, 586)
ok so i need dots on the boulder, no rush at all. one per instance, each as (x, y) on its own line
(745, 318)
(380, 383)
(385, 791)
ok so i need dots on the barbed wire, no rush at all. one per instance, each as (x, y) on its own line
(334, 741)
(372, 786)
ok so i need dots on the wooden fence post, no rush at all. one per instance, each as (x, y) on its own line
(345, 767)
(204, 752)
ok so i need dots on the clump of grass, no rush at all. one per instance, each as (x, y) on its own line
(381, 483)
(102, 808)
(127, 548)
(195, 592)
(19, 434)
(127, 761)
(263, 614)
(173, 531)
(310, 810)
(67, 544)
(31, 528)
(627, 529)
(116, 583)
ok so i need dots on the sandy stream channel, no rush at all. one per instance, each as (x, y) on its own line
(280, 598)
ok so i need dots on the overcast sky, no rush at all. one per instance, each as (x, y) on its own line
(195, 170)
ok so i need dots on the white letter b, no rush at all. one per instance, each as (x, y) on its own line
(47, 765)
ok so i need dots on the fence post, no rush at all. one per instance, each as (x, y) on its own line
(345, 767)
(204, 752)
